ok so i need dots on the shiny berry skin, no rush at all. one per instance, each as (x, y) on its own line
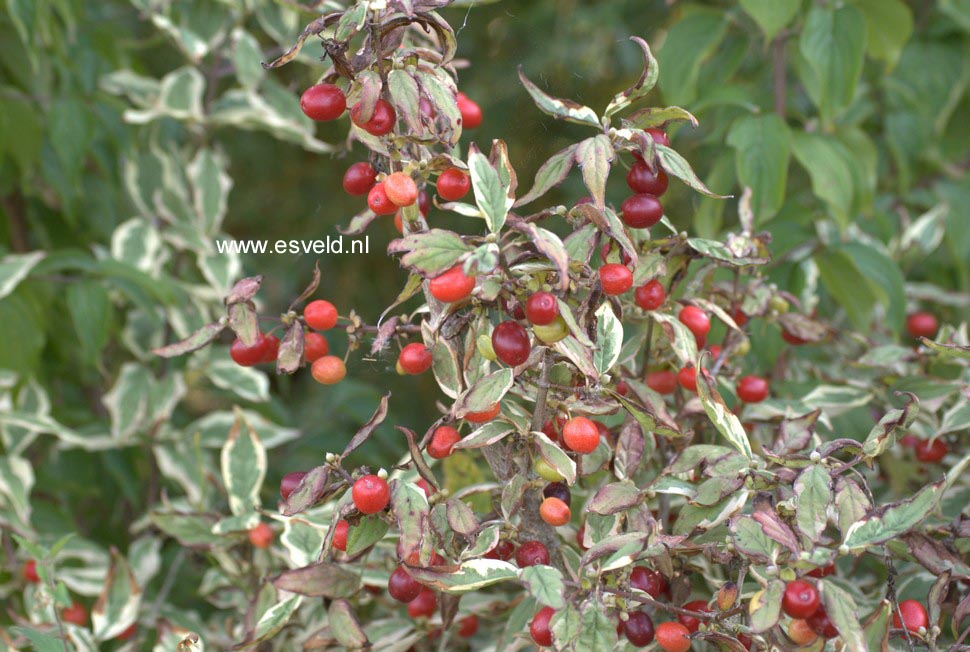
(453, 285)
(471, 113)
(272, 348)
(673, 637)
(641, 211)
(320, 315)
(340, 532)
(615, 279)
(261, 536)
(914, 616)
(531, 553)
(696, 320)
(401, 189)
(928, 450)
(648, 580)
(650, 296)
(555, 512)
(800, 632)
(511, 343)
(638, 629)
(642, 180)
(921, 324)
(693, 624)
(800, 600)
(29, 572)
(822, 571)
(370, 494)
(581, 435)
(453, 184)
(541, 308)
(328, 370)
(484, 415)
(503, 550)
(248, 356)
(557, 490)
(415, 358)
(468, 626)
(76, 614)
(442, 442)
(379, 202)
(380, 123)
(359, 179)
(659, 136)
(315, 346)
(424, 605)
(752, 389)
(323, 102)
(539, 627)
(402, 587)
(821, 625)
(290, 482)
(662, 382)
(687, 377)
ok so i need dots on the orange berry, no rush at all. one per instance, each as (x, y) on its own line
(328, 370)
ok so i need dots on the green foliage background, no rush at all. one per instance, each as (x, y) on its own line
(858, 167)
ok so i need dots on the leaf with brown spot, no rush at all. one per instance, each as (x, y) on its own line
(200, 338)
(368, 428)
(291, 354)
(322, 579)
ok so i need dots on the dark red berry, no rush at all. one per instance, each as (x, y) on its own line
(379, 202)
(752, 389)
(539, 627)
(315, 346)
(503, 550)
(453, 184)
(690, 622)
(638, 629)
(340, 532)
(531, 553)
(248, 356)
(822, 571)
(424, 203)
(687, 377)
(662, 382)
(650, 296)
(914, 616)
(542, 308)
(76, 614)
(290, 482)
(511, 343)
(468, 626)
(615, 279)
(471, 113)
(29, 572)
(359, 179)
(800, 600)
(323, 102)
(424, 605)
(821, 625)
(415, 358)
(648, 580)
(659, 136)
(442, 442)
(557, 490)
(696, 320)
(370, 494)
(381, 122)
(641, 211)
(643, 180)
(930, 450)
(272, 348)
(401, 586)
(922, 324)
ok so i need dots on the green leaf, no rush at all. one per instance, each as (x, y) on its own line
(749, 538)
(490, 193)
(597, 630)
(127, 401)
(688, 44)
(876, 627)
(210, 189)
(609, 338)
(555, 457)
(488, 391)
(882, 435)
(471, 575)
(405, 97)
(844, 614)
(275, 618)
(90, 309)
(553, 172)
(726, 422)
(813, 495)
(890, 25)
(646, 82)
(614, 497)
(243, 462)
(16, 481)
(345, 626)
(771, 15)
(247, 58)
(246, 382)
(558, 108)
(302, 540)
(14, 268)
(594, 156)
(322, 579)
(829, 164)
(885, 277)
(180, 97)
(41, 642)
(486, 435)
(676, 165)
(545, 584)
(431, 251)
(366, 533)
(117, 606)
(762, 151)
(843, 280)
(765, 607)
(200, 338)
(833, 43)
(192, 530)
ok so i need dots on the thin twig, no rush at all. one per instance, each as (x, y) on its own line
(539, 414)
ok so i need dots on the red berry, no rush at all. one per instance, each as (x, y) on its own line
(555, 512)
(415, 358)
(650, 296)
(557, 490)
(451, 286)
(290, 482)
(471, 113)
(642, 180)
(581, 537)
(690, 622)
(402, 587)
(739, 317)
(359, 178)
(752, 389)
(539, 627)
(484, 415)
(800, 600)
(914, 616)
(581, 435)
(659, 136)
(922, 324)
(662, 382)
(641, 211)
(381, 122)
(687, 377)
(648, 580)
(424, 203)
(328, 370)
(248, 356)
(379, 202)
(442, 441)
(822, 571)
(425, 487)
(272, 348)
(715, 351)
(323, 102)
(511, 343)
(129, 633)
(821, 625)
(503, 550)
(615, 279)
(467, 626)
(453, 184)
(696, 320)
(29, 572)
(261, 536)
(401, 189)
(930, 450)
(315, 346)
(800, 632)
(541, 308)
(320, 315)
(673, 637)
(532, 553)
(75, 614)
(638, 629)
(791, 338)
(424, 605)
(340, 532)
(370, 494)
